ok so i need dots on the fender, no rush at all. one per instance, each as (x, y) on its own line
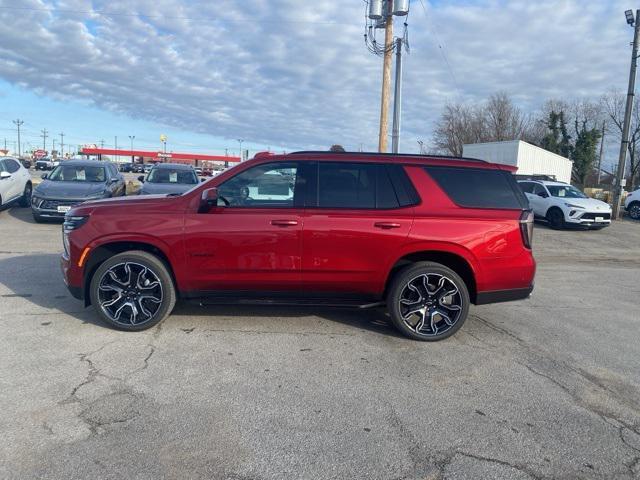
(438, 247)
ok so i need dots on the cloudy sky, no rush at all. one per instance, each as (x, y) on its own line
(285, 74)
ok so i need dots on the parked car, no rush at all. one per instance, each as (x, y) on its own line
(137, 168)
(168, 178)
(125, 167)
(563, 205)
(147, 167)
(74, 182)
(26, 163)
(15, 182)
(44, 163)
(198, 171)
(632, 204)
(428, 236)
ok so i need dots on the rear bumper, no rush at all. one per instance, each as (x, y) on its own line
(496, 296)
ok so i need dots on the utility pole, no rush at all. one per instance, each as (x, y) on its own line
(44, 139)
(397, 99)
(53, 146)
(624, 144)
(386, 84)
(380, 14)
(18, 123)
(240, 140)
(601, 150)
(62, 144)
(116, 144)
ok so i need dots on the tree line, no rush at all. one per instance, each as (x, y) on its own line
(572, 129)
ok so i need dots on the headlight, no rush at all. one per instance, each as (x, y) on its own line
(571, 205)
(35, 200)
(70, 224)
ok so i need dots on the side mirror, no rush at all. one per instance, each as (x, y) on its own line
(141, 178)
(208, 199)
(4, 175)
(44, 176)
(202, 180)
(543, 194)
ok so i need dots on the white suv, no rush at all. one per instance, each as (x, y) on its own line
(632, 204)
(15, 182)
(563, 205)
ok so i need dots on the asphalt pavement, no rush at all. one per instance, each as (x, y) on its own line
(543, 388)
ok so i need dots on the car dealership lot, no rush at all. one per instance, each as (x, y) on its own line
(547, 387)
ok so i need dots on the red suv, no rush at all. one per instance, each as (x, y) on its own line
(427, 236)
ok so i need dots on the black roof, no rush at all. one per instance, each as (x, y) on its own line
(369, 154)
(173, 166)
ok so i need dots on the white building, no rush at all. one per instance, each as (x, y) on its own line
(529, 159)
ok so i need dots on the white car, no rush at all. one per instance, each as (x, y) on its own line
(15, 182)
(563, 205)
(632, 204)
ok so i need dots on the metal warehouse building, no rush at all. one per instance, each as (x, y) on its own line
(529, 159)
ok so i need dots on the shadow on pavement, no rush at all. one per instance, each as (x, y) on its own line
(36, 278)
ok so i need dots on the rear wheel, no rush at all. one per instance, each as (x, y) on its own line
(132, 291)
(428, 301)
(555, 217)
(25, 200)
(634, 210)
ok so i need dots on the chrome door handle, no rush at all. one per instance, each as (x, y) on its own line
(386, 225)
(284, 223)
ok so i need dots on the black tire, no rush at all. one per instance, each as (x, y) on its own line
(555, 217)
(429, 300)
(37, 218)
(103, 282)
(25, 200)
(634, 210)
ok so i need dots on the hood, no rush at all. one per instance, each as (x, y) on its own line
(112, 205)
(70, 190)
(164, 188)
(590, 204)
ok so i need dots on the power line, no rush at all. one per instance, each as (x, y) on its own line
(441, 49)
(44, 138)
(18, 124)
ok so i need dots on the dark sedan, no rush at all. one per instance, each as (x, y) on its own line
(74, 182)
(165, 178)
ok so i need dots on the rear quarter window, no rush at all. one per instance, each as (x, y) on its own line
(479, 188)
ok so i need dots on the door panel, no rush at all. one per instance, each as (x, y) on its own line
(244, 249)
(252, 240)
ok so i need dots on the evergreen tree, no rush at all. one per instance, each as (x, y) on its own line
(585, 151)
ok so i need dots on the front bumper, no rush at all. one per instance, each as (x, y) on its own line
(54, 208)
(69, 277)
(588, 219)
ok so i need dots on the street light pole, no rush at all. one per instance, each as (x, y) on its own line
(240, 140)
(397, 99)
(132, 137)
(624, 144)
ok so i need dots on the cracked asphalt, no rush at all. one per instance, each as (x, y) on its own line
(539, 389)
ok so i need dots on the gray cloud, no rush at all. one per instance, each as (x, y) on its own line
(285, 72)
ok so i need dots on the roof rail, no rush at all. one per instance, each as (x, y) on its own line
(407, 155)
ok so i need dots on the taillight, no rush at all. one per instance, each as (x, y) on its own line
(526, 227)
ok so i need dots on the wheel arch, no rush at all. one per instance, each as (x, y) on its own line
(106, 250)
(455, 261)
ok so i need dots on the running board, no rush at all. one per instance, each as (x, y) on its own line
(284, 302)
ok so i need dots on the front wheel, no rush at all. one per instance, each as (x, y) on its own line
(634, 210)
(428, 301)
(25, 200)
(555, 217)
(132, 291)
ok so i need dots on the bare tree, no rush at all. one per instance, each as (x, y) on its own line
(496, 120)
(613, 103)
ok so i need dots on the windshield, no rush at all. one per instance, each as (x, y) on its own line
(565, 191)
(77, 173)
(171, 175)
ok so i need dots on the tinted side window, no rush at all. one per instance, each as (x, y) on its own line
(479, 188)
(538, 189)
(527, 187)
(11, 165)
(385, 194)
(266, 185)
(3, 167)
(346, 185)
